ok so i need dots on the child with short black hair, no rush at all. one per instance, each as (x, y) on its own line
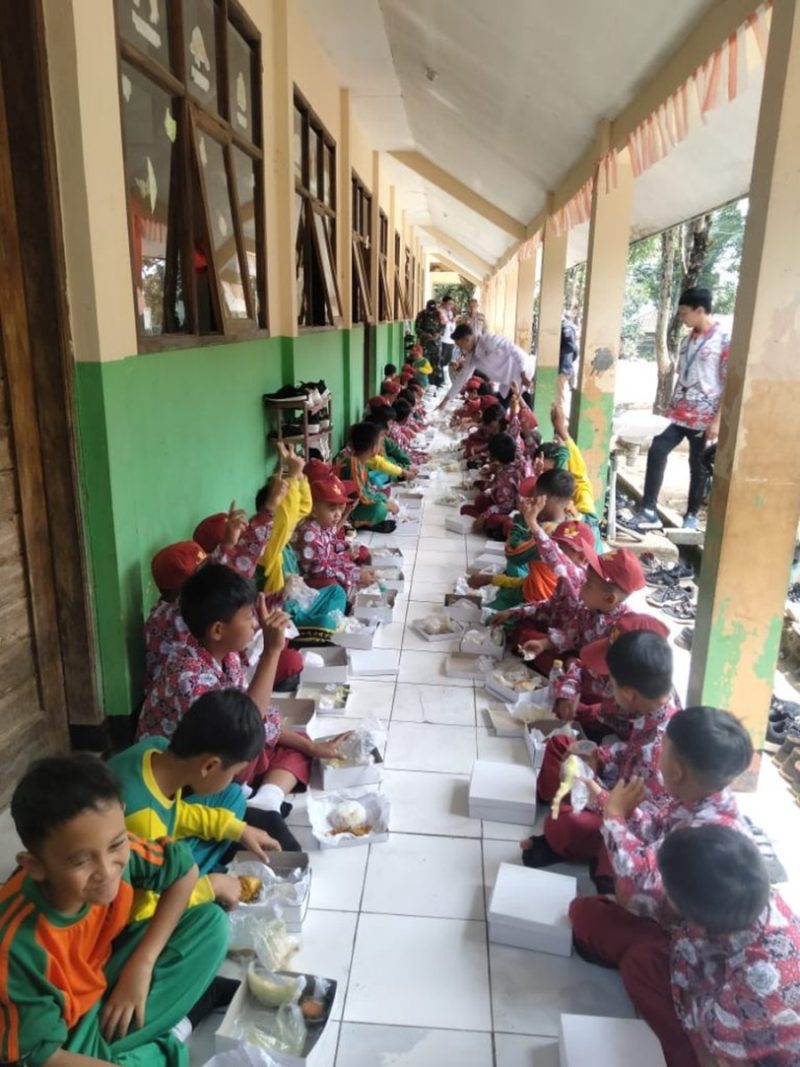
(492, 508)
(372, 507)
(220, 734)
(389, 372)
(393, 460)
(640, 669)
(221, 610)
(79, 982)
(703, 751)
(722, 989)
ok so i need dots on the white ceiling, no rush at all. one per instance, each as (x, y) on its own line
(519, 88)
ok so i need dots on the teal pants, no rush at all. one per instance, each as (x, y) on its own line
(369, 514)
(183, 972)
(320, 614)
(591, 519)
(509, 597)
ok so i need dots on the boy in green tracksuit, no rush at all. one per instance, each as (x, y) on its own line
(79, 984)
(214, 741)
(372, 507)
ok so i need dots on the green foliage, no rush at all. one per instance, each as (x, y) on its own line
(461, 293)
(721, 268)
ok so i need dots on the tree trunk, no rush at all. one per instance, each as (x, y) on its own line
(696, 242)
(664, 360)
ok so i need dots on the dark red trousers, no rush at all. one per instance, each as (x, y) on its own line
(640, 949)
(289, 662)
(543, 663)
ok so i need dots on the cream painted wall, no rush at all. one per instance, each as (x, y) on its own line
(82, 58)
(312, 71)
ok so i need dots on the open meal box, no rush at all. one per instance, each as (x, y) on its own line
(487, 563)
(460, 524)
(411, 498)
(363, 637)
(458, 665)
(530, 909)
(484, 641)
(297, 714)
(535, 733)
(375, 607)
(334, 774)
(513, 682)
(334, 668)
(330, 698)
(386, 557)
(292, 905)
(453, 632)
(321, 805)
(245, 1014)
(376, 663)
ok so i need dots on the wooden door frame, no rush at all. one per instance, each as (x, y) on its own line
(40, 372)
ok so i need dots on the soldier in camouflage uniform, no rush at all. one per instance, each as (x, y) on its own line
(429, 327)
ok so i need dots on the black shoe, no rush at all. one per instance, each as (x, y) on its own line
(218, 995)
(286, 392)
(540, 854)
(589, 956)
(684, 638)
(669, 594)
(642, 521)
(286, 809)
(387, 526)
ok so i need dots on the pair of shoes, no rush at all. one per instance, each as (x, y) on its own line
(690, 522)
(540, 854)
(387, 526)
(783, 715)
(669, 594)
(669, 576)
(293, 429)
(286, 392)
(641, 521)
(682, 609)
(684, 638)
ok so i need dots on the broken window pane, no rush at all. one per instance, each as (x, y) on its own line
(150, 131)
(144, 23)
(201, 50)
(220, 223)
(240, 83)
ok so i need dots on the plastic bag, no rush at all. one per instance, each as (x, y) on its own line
(242, 1056)
(297, 591)
(573, 770)
(271, 989)
(436, 624)
(287, 887)
(357, 750)
(273, 945)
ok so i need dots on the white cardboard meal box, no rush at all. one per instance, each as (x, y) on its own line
(363, 638)
(503, 792)
(331, 778)
(329, 698)
(478, 642)
(450, 635)
(495, 548)
(604, 1042)
(487, 563)
(372, 607)
(504, 723)
(411, 498)
(386, 557)
(529, 908)
(378, 811)
(244, 1007)
(536, 732)
(298, 714)
(409, 527)
(524, 685)
(457, 665)
(461, 524)
(375, 663)
(334, 669)
(292, 914)
(393, 578)
(464, 609)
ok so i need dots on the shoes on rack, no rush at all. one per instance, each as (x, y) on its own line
(286, 392)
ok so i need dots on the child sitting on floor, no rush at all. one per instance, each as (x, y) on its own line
(389, 373)
(566, 455)
(527, 578)
(372, 507)
(726, 992)
(492, 508)
(80, 983)
(403, 469)
(323, 557)
(492, 421)
(215, 740)
(403, 432)
(217, 606)
(640, 666)
(703, 751)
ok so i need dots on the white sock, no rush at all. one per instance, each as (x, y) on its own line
(182, 1030)
(247, 790)
(267, 798)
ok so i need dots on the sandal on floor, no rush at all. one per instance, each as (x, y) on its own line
(683, 610)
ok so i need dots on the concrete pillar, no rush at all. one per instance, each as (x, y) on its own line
(279, 180)
(526, 287)
(510, 310)
(756, 496)
(344, 212)
(606, 268)
(554, 263)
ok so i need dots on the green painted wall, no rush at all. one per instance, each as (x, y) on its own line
(545, 396)
(167, 438)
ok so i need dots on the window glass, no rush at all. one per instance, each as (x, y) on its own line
(313, 161)
(201, 51)
(240, 84)
(245, 176)
(298, 146)
(329, 176)
(144, 24)
(220, 223)
(151, 133)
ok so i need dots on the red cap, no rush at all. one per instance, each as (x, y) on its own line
(473, 383)
(407, 371)
(416, 350)
(211, 531)
(392, 388)
(575, 535)
(174, 564)
(488, 401)
(593, 656)
(378, 402)
(473, 405)
(315, 469)
(527, 487)
(621, 567)
(329, 491)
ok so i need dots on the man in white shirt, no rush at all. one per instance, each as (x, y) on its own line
(447, 313)
(473, 317)
(499, 359)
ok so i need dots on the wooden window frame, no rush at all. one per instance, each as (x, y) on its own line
(400, 303)
(363, 305)
(193, 115)
(383, 296)
(316, 245)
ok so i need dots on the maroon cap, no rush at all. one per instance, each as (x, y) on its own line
(378, 402)
(593, 656)
(211, 531)
(621, 567)
(577, 535)
(329, 491)
(317, 469)
(473, 383)
(488, 401)
(174, 564)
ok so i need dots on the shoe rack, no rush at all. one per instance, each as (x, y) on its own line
(313, 431)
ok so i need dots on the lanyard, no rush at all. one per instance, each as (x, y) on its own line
(692, 356)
